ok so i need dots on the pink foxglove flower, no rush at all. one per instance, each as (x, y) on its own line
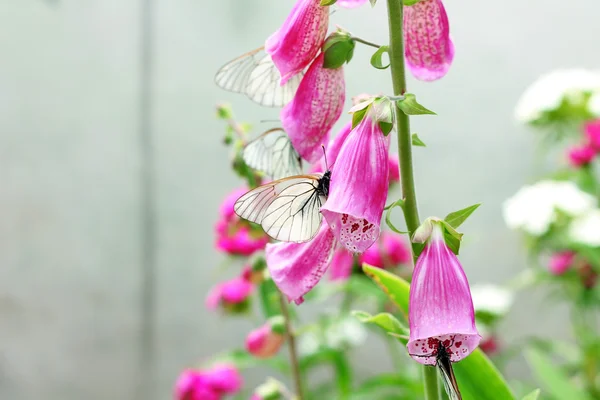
(315, 108)
(359, 186)
(561, 262)
(490, 345)
(341, 264)
(235, 236)
(297, 267)
(231, 295)
(429, 49)
(223, 378)
(440, 307)
(581, 155)
(299, 39)
(394, 171)
(332, 149)
(209, 384)
(390, 250)
(265, 342)
(592, 132)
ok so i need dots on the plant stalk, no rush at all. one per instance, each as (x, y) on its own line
(291, 342)
(411, 212)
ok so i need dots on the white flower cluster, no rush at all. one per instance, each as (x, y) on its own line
(547, 93)
(533, 209)
(491, 298)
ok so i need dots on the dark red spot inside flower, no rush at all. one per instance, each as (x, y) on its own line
(344, 218)
(366, 228)
(355, 227)
(365, 222)
(458, 344)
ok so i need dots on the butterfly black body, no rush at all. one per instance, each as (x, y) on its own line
(323, 186)
(444, 363)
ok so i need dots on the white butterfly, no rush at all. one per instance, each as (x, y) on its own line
(255, 75)
(273, 153)
(288, 209)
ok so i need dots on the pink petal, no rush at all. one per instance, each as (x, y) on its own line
(213, 298)
(358, 188)
(581, 155)
(341, 264)
(429, 49)
(224, 379)
(561, 262)
(263, 342)
(350, 3)
(297, 267)
(236, 290)
(226, 207)
(440, 305)
(592, 132)
(332, 149)
(299, 39)
(314, 110)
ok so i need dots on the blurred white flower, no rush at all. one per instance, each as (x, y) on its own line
(594, 104)
(548, 91)
(491, 298)
(348, 331)
(533, 207)
(586, 229)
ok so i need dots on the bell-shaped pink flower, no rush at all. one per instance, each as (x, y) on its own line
(358, 187)
(315, 108)
(561, 262)
(440, 307)
(428, 48)
(209, 384)
(581, 155)
(265, 342)
(297, 267)
(341, 264)
(592, 133)
(299, 39)
(231, 295)
(390, 250)
(223, 378)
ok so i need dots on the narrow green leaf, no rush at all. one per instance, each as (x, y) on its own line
(551, 377)
(386, 321)
(373, 2)
(456, 218)
(358, 116)
(416, 141)
(533, 395)
(410, 2)
(410, 106)
(388, 216)
(393, 286)
(386, 127)
(477, 377)
(452, 237)
(325, 3)
(376, 58)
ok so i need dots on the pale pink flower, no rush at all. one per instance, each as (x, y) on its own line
(560, 262)
(265, 342)
(297, 267)
(341, 264)
(350, 3)
(359, 186)
(229, 294)
(293, 46)
(428, 47)
(440, 307)
(581, 155)
(314, 110)
(592, 132)
(390, 250)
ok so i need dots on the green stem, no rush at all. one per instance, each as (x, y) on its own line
(411, 212)
(291, 342)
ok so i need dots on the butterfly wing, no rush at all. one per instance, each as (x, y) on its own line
(445, 366)
(288, 209)
(273, 153)
(255, 75)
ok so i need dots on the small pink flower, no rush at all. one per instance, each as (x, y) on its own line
(265, 342)
(297, 267)
(359, 186)
(490, 345)
(226, 208)
(341, 264)
(350, 3)
(429, 49)
(223, 378)
(299, 39)
(561, 262)
(592, 132)
(390, 250)
(315, 108)
(440, 308)
(191, 386)
(394, 170)
(581, 155)
(230, 293)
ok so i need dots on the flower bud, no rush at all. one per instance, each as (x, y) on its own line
(266, 341)
(560, 262)
(580, 156)
(592, 133)
(232, 295)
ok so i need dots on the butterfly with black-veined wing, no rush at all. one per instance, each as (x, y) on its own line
(443, 362)
(273, 153)
(288, 209)
(255, 75)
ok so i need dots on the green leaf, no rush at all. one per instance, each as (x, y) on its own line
(533, 395)
(398, 384)
(387, 321)
(386, 127)
(410, 2)
(551, 377)
(452, 237)
(269, 298)
(358, 116)
(373, 2)
(338, 49)
(325, 3)
(477, 377)
(376, 58)
(456, 218)
(416, 141)
(337, 359)
(409, 106)
(388, 216)
(393, 286)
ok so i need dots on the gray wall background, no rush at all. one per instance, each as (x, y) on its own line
(71, 279)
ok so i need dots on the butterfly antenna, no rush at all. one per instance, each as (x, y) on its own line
(325, 156)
